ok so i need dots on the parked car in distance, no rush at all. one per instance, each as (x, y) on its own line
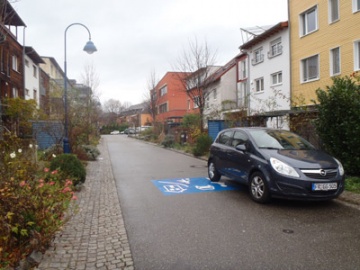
(129, 131)
(275, 163)
(115, 132)
(142, 128)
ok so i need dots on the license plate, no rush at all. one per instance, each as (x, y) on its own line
(324, 186)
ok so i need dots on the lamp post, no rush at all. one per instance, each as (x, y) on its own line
(89, 48)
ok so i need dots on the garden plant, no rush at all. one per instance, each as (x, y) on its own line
(34, 202)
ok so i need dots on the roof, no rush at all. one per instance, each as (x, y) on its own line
(222, 70)
(136, 109)
(29, 51)
(9, 16)
(265, 35)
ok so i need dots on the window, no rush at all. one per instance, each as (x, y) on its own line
(276, 78)
(310, 68)
(357, 55)
(163, 108)
(35, 94)
(1, 59)
(335, 61)
(242, 70)
(333, 11)
(242, 94)
(239, 138)
(275, 48)
(196, 102)
(258, 56)
(309, 21)
(214, 94)
(225, 137)
(27, 92)
(34, 71)
(14, 62)
(163, 90)
(259, 85)
(26, 62)
(15, 92)
(356, 5)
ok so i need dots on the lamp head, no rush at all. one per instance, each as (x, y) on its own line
(90, 47)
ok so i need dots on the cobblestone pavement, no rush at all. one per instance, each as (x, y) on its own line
(95, 237)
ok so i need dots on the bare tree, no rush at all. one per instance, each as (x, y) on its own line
(91, 79)
(198, 62)
(113, 106)
(152, 96)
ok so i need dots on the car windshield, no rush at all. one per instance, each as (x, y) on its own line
(279, 139)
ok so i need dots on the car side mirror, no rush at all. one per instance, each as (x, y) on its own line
(241, 147)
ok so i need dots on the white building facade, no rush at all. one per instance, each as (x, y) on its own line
(32, 75)
(268, 84)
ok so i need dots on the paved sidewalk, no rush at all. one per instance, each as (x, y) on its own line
(95, 238)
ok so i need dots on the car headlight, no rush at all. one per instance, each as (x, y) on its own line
(341, 168)
(283, 168)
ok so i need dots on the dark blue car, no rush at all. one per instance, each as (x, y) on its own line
(275, 163)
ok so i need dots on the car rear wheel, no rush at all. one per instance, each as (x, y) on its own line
(259, 190)
(213, 173)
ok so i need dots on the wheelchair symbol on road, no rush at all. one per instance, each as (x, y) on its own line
(189, 185)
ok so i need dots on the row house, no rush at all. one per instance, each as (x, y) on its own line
(268, 74)
(324, 42)
(255, 84)
(170, 98)
(136, 115)
(32, 76)
(11, 59)
(55, 76)
(221, 92)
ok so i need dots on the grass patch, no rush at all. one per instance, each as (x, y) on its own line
(352, 183)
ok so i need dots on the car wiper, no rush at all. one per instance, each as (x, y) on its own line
(270, 148)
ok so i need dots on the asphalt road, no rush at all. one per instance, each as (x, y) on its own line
(223, 230)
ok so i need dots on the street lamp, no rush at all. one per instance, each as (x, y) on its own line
(89, 48)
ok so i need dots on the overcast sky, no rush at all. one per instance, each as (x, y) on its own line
(137, 37)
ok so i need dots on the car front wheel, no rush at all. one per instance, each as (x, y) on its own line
(214, 175)
(259, 190)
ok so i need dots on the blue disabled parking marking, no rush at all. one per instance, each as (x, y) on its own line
(190, 185)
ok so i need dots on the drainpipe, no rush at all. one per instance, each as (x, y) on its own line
(248, 80)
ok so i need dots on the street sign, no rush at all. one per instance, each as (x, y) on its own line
(190, 185)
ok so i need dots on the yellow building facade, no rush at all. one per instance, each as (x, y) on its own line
(325, 42)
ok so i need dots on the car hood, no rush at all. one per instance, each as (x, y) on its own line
(303, 158)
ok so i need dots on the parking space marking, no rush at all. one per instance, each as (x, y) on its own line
(190, 185)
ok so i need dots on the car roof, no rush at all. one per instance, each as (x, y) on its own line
(249, 128)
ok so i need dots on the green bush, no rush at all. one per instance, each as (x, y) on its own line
(70, 167)
(202, 145)
(168, 141)
(338, 121)
(91, 152)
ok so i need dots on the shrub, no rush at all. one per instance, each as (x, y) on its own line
(168, 141)
(91, 151)
(202, 145)
(70, 167)
(338, 121)
(86, 152)
(33, 202)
